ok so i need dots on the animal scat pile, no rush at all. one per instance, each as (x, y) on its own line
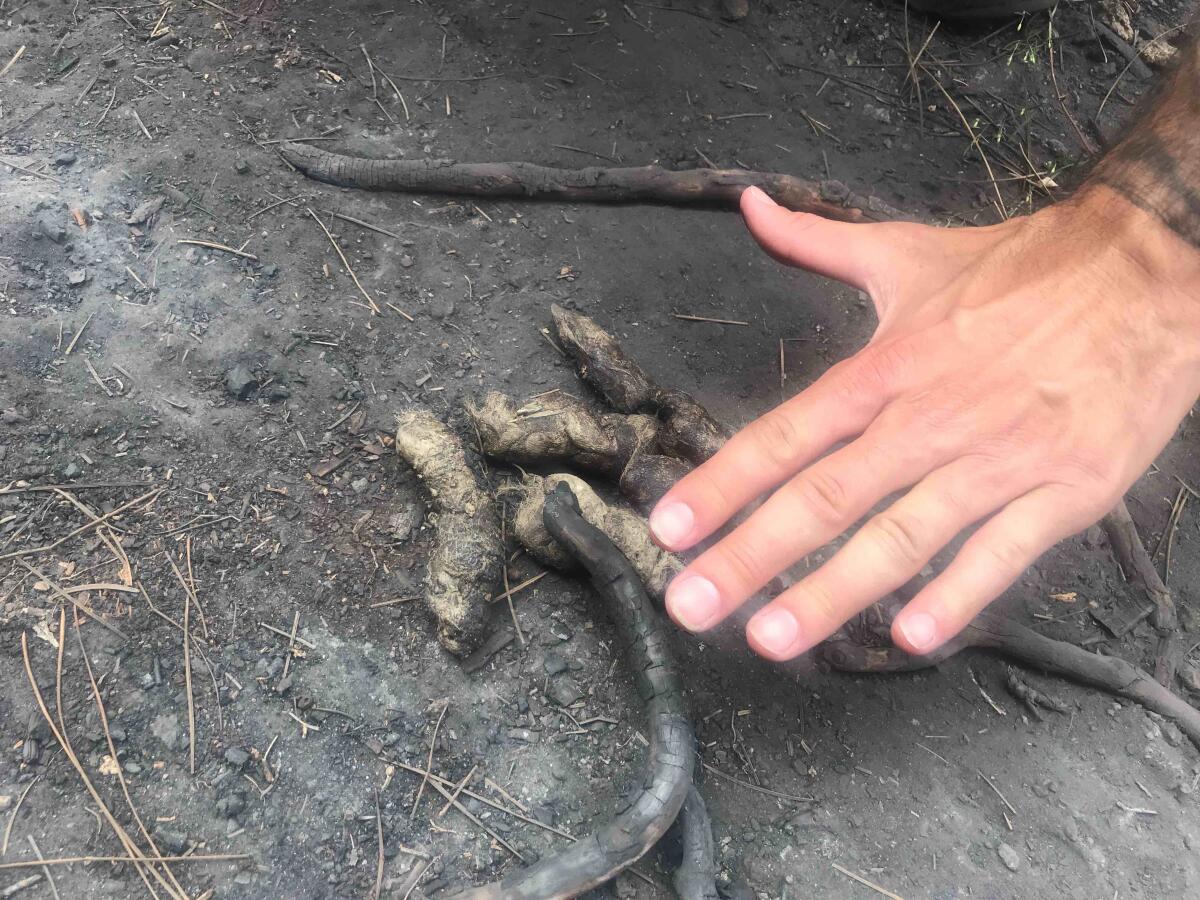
(563, 429)
(688, 432)
(627, 530)
(464, 567)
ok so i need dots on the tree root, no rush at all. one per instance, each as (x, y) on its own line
(464, 568)
(1015, 641)
(622, 840)
(1140, 571)
(696, 877)
(1035, 701)
(642, 184)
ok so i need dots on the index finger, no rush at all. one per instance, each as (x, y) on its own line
(770, 450)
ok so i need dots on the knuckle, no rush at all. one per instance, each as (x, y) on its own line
(821, 605)
(900, 538)
(1007, 554)
(824, 495)
(713, 488)
(776, 437)
(881, 366)
(744, 565)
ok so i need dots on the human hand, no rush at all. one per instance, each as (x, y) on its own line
(1022, 375)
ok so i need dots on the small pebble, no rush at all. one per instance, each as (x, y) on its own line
(1009, 856)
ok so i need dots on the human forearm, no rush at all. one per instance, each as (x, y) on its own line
(1157, 165)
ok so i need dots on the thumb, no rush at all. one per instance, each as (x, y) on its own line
(847, 252)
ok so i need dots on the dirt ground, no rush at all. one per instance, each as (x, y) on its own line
(253, 392)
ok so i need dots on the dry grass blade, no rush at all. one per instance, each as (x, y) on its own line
(64, 742)
(156, 860)
(112, 749)
(13, 817)
(82, 529)
(187, 678)
(58, 591)
(974, 139)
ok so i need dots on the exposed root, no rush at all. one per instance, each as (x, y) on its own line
(696, 877)
(464, 567)
(1139, 571)
(641, 184)
(627, 530)
(1035, 701)
(688, 431)
(623, 839)
(1016, 641)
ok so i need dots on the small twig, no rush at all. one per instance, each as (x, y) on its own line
(377, 890)
(25, 171)
(187, 678)
(1012, 809)
(478, 822)
(87, 860)
(222, 247)
(279, 631)
(19, 886)
(45, 869)
(12, 62)
(754, 787)
(863, 881)
(520, 587)
(429, 761)
(350, 269)
(141, 124)
(457, 790)
(287, 661)
(78, 333)
(688, 318)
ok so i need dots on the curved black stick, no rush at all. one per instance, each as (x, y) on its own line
(696, 877)
(620, 841)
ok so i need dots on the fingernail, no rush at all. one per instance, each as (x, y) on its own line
(671, 523)
(757, 195)
(919, 629)
(775, 630)
(693, 602)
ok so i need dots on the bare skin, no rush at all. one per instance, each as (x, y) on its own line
(1021, 378)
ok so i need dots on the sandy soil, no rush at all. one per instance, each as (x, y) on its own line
(231, 384)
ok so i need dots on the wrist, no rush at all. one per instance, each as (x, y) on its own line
(1105, 221)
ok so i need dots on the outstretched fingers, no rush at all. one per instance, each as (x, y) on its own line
(986, 566)
(887, 551)
(806, 513)
(840, 405)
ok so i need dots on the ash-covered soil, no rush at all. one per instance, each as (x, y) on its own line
(244, 400)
